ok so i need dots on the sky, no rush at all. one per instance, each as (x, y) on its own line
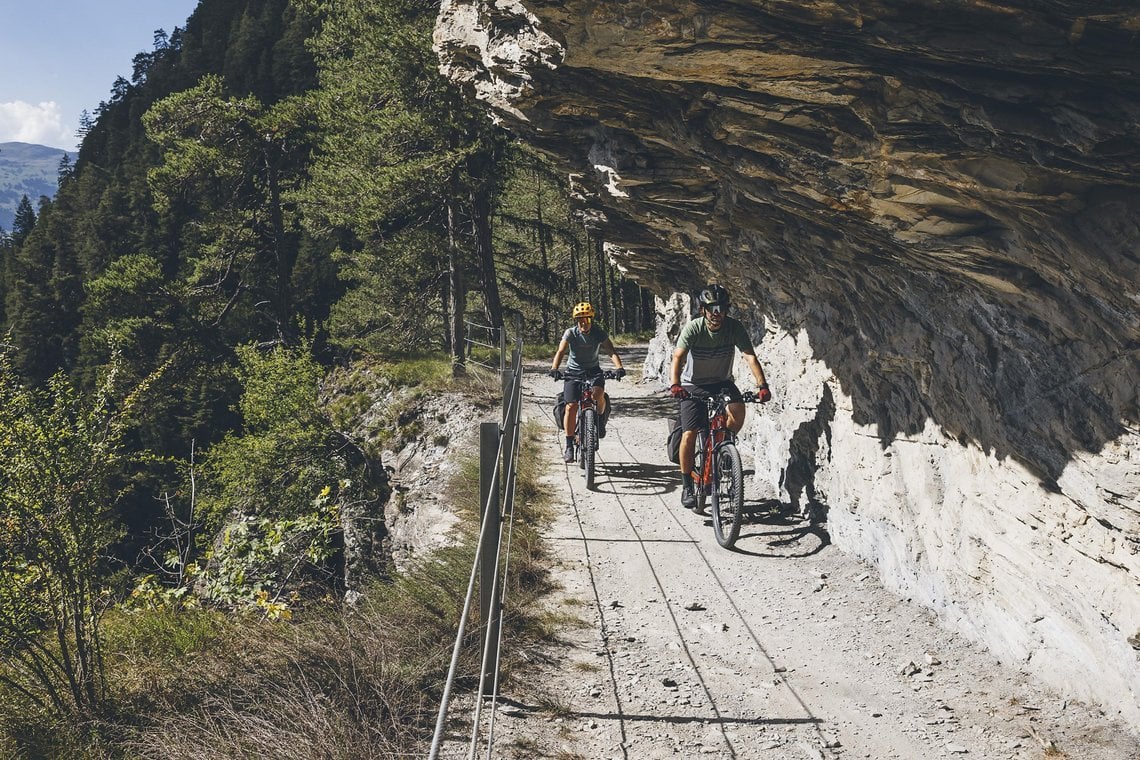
(59, 58)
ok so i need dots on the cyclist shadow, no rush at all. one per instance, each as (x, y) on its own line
(790, 533)
(638, 478)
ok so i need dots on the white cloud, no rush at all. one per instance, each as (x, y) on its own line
(40, 124)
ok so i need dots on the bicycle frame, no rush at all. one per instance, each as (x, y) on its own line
(585, 402)
(586, 433)
(720, 476)
(718, 434)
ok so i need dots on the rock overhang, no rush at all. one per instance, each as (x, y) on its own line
(963, 171)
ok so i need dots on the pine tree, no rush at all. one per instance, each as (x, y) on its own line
(238, 159)
(24, 221)
(402, 153)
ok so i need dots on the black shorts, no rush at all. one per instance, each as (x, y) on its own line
(571, 392)
(694, 410)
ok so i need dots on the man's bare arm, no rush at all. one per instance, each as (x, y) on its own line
(679, 356)
(757, 371)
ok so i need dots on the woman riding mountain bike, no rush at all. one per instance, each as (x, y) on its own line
(583, 342)
(590, 424)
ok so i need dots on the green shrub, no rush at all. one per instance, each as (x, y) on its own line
(274, 495)
(61, 454)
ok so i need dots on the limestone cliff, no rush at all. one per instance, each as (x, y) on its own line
(928, 212)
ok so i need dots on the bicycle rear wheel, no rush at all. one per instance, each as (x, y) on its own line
(728, 496)
(589, 445)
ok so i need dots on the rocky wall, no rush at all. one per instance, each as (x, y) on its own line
(1023, 569)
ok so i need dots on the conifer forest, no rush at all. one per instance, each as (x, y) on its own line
(283, 198)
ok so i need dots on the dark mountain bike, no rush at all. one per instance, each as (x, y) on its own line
(718, 475)
(586, 436)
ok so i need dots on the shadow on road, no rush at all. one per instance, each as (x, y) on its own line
(645, 407)
(658, 718)
(784, 527)
(640, 478)
(789, 534)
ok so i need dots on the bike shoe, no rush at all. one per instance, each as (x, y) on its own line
(568, 455)
(688, 496)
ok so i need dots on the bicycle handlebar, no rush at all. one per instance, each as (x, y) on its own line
(748, 397)
(608, 374)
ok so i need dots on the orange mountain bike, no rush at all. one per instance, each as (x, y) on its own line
(718, 475)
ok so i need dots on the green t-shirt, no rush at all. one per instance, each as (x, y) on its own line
(584, 348)
(711, 353)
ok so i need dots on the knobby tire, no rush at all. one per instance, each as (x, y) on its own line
(589, 445)
(580, 442)
(698, 473)
(728, 495)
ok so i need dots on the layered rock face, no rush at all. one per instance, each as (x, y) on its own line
(928, 213)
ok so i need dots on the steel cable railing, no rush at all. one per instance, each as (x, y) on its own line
(512, 430)
(505, 461)
(441, 719)
(492, 333)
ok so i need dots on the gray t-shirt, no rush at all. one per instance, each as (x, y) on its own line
(584, 348)
(711, 353)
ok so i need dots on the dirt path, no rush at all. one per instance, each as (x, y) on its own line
(785, 648)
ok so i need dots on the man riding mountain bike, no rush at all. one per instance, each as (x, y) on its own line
(583, 342)
(702, 367)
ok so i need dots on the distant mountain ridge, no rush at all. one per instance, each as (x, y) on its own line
(26, 169)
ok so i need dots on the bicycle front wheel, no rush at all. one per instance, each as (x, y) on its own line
(589, 445)
(699, 483)
(728, 495)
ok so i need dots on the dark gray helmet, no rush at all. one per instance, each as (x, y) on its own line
(713, 295)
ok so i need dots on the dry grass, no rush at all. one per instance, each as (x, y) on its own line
(555, 707)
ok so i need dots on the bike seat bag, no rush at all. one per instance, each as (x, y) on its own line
(559, 410)
(673, 440)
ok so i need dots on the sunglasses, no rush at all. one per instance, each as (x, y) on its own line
(716, 308)
(585, 319)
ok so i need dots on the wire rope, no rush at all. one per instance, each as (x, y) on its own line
(496, 605)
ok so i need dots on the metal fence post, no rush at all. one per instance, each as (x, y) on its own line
(489, 554)
(510, 438)
(502, 348)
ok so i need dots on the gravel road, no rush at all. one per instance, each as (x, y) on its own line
(784, 648)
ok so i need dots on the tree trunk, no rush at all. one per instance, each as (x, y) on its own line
(603, 281)
(445, 313)
(548, 297)
(286, 258)
(574, 286)
(589, 294)
(458, 294)
(481, 210)
(648, 309)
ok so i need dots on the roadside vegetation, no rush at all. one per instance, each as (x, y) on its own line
(182, 679)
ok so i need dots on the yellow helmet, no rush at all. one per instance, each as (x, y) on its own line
(584, 309)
